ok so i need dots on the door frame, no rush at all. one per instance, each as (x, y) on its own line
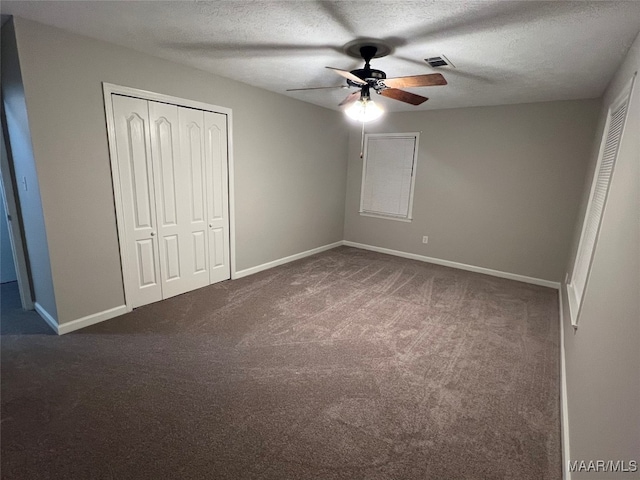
(16, 232)
(110, 89)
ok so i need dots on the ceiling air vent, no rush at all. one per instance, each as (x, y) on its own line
(439, 62)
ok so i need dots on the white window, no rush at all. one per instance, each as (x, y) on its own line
(599, 189)
(388, 175)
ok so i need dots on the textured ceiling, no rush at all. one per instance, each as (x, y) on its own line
(503, 51)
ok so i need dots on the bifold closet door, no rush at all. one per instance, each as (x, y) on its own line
(177, 152)
(216, 154)
(173, 176)
(192, 191)
(135, 172)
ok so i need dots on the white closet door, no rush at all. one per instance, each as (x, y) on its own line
(218, 195)
(168, 167)
(142, 278)
(173, 178)
(192, 192)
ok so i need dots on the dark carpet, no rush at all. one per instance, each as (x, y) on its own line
(345, 365)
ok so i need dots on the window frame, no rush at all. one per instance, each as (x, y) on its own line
(414, 166)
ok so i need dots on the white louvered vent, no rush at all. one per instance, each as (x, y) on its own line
(439, 62)
(597, 201)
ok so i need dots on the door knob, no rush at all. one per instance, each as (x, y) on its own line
(153, 234)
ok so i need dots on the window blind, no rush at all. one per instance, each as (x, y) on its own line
(388, 175)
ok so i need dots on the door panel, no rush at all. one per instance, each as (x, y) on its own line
(146, 262)
(193, 142)
(140, 174)
(165, 140)
(168, 164)
(142, 284)
(193, 188)
(172, 257)
(200, 251)
(217, 195)
(217, 256)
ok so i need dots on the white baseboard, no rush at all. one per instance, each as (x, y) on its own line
(564, 406)
(91, 319)
(282, 261)
(122, 309)
(47, 317)
(461, 266)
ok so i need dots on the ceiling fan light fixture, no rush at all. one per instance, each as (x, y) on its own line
(364, 110)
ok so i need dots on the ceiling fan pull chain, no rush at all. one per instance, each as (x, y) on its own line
(362, 142)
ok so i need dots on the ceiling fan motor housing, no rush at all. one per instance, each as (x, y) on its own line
(369, 75)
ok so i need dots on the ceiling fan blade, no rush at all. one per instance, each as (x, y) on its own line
(428, 80)
(315, 88)
(352, 97)
(348, 75)
(406, 97)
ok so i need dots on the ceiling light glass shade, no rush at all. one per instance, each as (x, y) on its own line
(364, 110)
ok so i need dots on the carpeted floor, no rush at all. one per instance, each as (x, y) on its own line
(345, 365)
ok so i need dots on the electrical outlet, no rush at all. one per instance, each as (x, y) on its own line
(425, 239)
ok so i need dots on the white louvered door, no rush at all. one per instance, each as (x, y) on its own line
(603, 174)
(173, 178)
(599, 190)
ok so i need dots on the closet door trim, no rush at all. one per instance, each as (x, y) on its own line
(110, 89)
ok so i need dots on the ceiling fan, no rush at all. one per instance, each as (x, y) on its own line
(367, 79)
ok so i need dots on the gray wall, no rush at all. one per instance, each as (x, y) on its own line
(290, 166)
(603, 354)
(496, 187)
(25, 168)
